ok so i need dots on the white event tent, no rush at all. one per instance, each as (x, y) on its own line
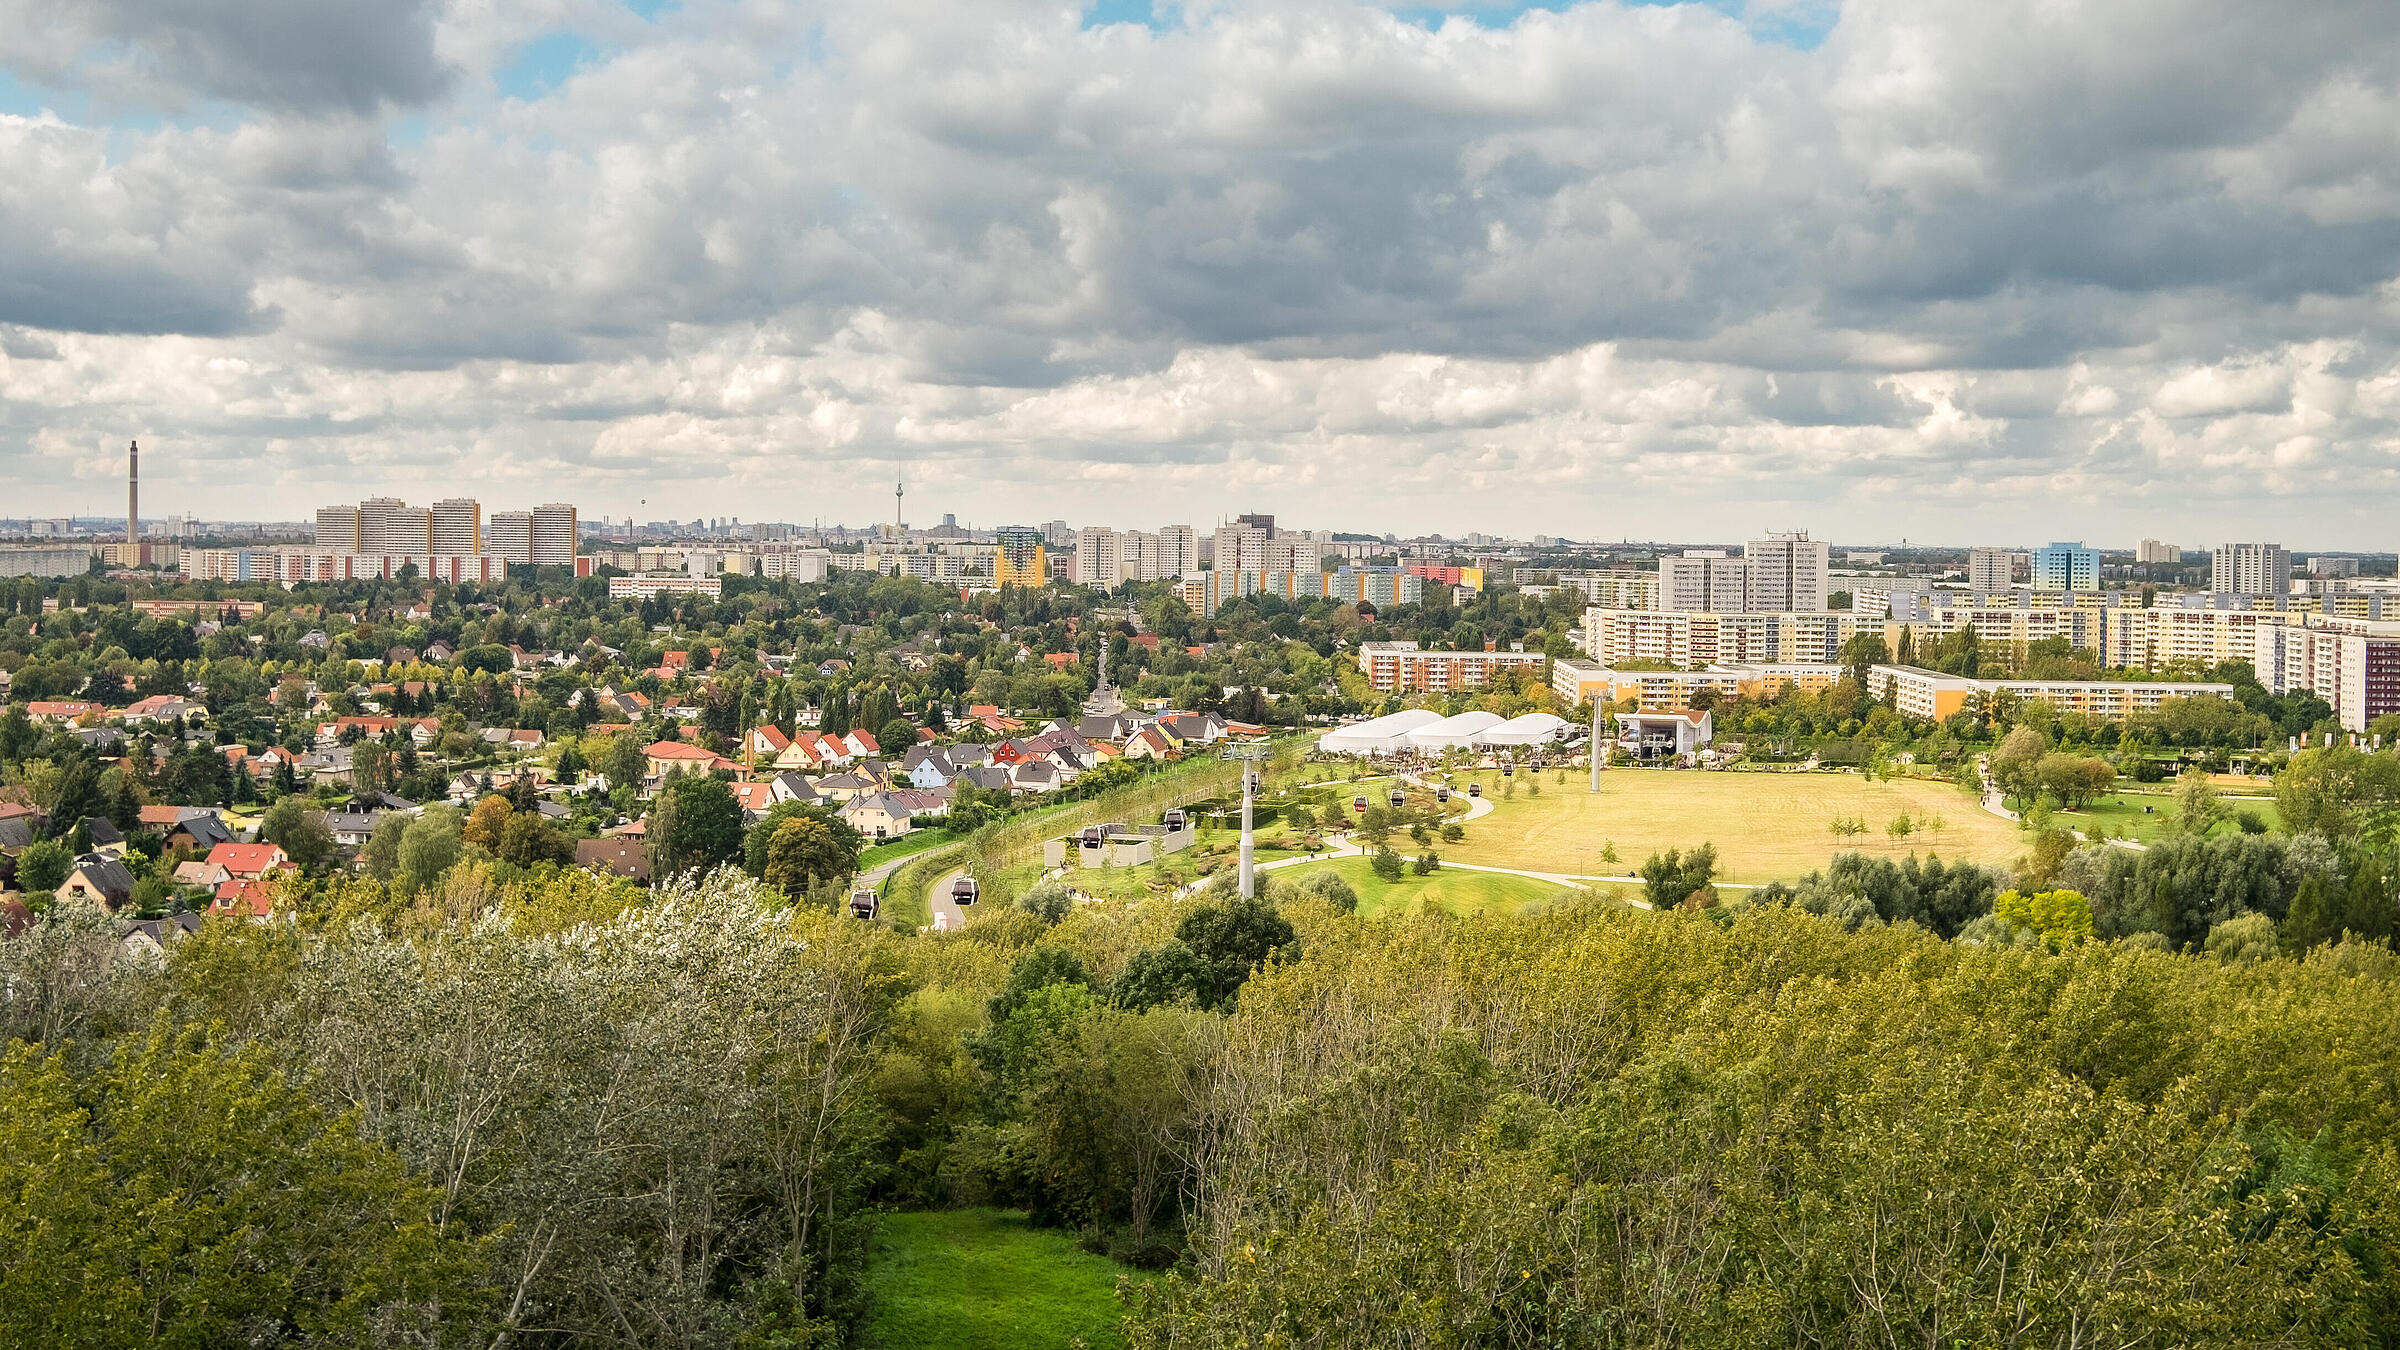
(1384, 735)
(1529, 729)
(1452, 731)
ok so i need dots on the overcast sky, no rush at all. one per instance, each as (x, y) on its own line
(1949, 271)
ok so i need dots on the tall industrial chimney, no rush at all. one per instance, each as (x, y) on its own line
(133, 504)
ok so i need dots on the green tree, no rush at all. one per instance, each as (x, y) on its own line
(1231, 939)
(1168, 973)
(431, 846)
(43, 867)
(381, 857)
(527, 840)
(183, 1195)
(301, 831)
(2015, 765)
(804, 854)
(1671, 878)
(2338, 791)
(2060, 917)
(626, 764)
(2199, 807)
(1386, 864)
(695, 825)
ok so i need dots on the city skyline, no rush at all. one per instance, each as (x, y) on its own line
(2100, 270)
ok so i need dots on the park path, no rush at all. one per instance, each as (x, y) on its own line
(947, 916)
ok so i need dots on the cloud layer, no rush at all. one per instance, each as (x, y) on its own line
(2115, 268)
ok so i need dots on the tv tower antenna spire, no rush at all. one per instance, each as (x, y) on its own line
(899, 490)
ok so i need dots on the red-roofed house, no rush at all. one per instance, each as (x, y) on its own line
(766, 743)
(60, 711)
(243, 898)
(860, 743)
(248, 861)
(677, 757)
(159, 707)
(754, 797)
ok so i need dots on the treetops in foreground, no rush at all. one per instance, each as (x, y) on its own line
(563, 1110)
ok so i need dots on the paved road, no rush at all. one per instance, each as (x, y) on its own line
(947, 916)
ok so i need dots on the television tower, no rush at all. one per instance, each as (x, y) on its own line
(133, 504)
(899, 490)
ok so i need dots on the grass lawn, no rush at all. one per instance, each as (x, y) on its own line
(2121, 812)
(1449, 889)
(915, 841)
(985, 1279)
(1766, 826)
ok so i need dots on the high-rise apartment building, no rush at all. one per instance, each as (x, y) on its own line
(337, 528)
(390, 525)
(2151, 553)
(1704, 579)
(2066, 567)
(1178, 552)
(1240, 548)
(1788, 572)
(554, 528)
(510, 535)
(458, 525)
(1098, 558)
(1021, 559)
(2251, 569)
(1991, 571)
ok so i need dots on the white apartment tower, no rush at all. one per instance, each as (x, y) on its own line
(1178, 552)
(457, 526)
(1241, 548)
(1788, 572)
(390, 525)
(2251, 569)
(554, 535)
(1705, 581)
(1099, 560)
(337, 528)
(510, 535)
(2151, 552)
(1991, 571)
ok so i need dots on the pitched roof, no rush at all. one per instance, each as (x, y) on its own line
(677, 750)
(620, 855)
(106, 875)
(250, 859)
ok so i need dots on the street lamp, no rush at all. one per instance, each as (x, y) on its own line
(1248, 755)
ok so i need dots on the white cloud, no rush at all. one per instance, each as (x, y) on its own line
(762, 255)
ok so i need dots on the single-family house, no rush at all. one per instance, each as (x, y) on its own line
(243, 898)
(877, 816)
(1148, 743)
(201, 872)
(927, 767)
(667, 757)
(1035, 775)
(765, 744)
(617, 856)
(105, 836)
(791, 787)
(754, 797)
(150, 938)
(248, 861)
(861, 743)
(161, 708)
(60, 712)
(97, 879)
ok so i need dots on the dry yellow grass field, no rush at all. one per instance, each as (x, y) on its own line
(1766, 826)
